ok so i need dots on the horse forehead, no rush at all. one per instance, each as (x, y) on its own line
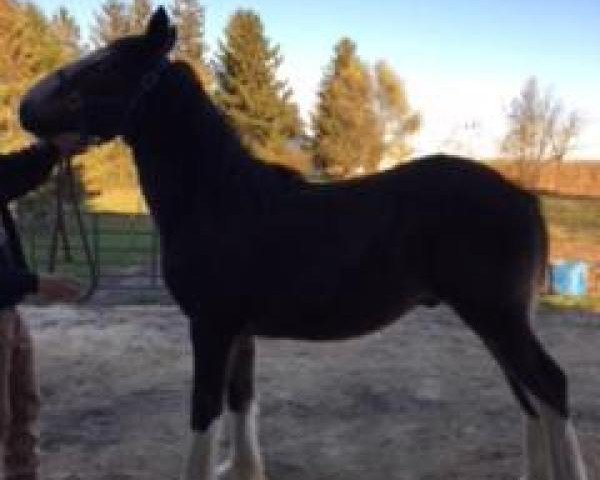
(48, 86)
(89, 60)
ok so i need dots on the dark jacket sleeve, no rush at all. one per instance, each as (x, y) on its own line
(23, 171)
(14, 285)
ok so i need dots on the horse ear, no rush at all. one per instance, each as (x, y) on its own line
(160, 34)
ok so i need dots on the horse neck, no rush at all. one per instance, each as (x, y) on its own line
(188, 157)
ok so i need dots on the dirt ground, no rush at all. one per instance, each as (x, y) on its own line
(421, 400)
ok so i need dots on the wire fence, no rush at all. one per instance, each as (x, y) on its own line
(116, 257)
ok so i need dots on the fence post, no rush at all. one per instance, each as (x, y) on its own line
(96, 235)
(155, 253)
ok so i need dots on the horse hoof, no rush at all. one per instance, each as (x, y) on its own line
(229, 471)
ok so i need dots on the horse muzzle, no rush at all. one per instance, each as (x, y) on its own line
(28, 115)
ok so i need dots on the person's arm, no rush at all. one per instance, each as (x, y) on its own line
(15, 285)
(23, 171)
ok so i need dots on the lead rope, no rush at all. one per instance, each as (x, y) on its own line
(66, 191)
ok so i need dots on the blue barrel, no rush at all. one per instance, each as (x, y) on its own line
(569, 278)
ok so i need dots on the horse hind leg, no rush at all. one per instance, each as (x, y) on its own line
(540, 385)
(552, 432)
(537, 454)
(245, 462)
(537, 465)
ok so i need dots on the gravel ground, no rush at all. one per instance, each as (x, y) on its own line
(420, 400)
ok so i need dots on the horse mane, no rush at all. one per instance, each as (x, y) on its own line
(188, 147)
(202, 110)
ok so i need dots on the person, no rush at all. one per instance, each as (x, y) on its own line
(21, 172)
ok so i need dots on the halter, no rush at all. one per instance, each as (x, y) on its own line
(147, 83)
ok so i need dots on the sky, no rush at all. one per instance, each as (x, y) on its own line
(462, 61)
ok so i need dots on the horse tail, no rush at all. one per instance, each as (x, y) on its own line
(541, 242)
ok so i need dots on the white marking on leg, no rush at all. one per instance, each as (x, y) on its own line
(537, 460)
(201, 463)
(563, 446)
(245, 462)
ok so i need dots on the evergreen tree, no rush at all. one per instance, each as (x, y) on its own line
(68, 33)
(188, 16)
(139, 14)
(347, 134)
(397, 120)
(257, 103)
(111, 22)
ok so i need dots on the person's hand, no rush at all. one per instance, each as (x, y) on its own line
(58, 289)
(69, 144)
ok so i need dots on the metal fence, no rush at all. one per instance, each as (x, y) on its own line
(116, 257)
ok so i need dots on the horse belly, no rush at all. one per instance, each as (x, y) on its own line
(339, 318)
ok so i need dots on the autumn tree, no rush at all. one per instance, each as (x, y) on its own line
(398, 121)
(256, 101)
(67, 31)
(110, 23)
(29, 50)
(539, 130)
(348, 137)
(188, 16)
(139, 13)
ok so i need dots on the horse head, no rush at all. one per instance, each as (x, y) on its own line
(96, 95)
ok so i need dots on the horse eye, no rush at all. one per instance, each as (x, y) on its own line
(73, 101)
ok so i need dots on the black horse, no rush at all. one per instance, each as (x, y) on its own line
(251, 249)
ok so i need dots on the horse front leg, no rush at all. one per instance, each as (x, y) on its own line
(211, 350)
(245, 462)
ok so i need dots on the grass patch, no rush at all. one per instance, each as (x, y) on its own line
(576, 218)
(563, 302)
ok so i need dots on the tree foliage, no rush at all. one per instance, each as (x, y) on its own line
(140, 12)
(29, 49)
(539, 130)
(111, 22)
(67, 31)
(256, 101)
(348, 137)
(188, 16)
(397, 120)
